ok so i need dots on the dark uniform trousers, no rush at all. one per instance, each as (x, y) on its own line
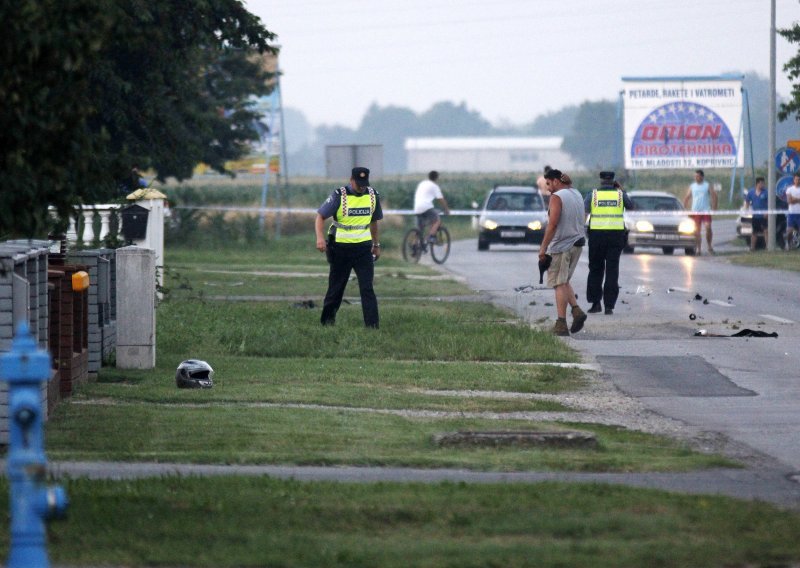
(345, 258)
(605, 248)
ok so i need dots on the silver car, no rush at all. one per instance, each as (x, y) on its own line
(512, 215)
(659, 220)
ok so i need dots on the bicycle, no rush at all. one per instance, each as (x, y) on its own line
(794, 241)
(415, 244)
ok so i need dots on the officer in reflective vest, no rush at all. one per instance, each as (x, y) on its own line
(351, 244)
(607, 238)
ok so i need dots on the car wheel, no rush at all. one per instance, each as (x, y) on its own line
(483, 245)
(668, 250)
(689, 251)
(628, 250)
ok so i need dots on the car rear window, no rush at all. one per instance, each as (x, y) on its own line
(499, 201)
(656, 203)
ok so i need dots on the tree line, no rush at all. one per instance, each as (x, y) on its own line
(589, 130)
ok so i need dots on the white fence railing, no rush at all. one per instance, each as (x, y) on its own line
(105, 212)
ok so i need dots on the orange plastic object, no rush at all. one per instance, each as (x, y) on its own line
(80, 281)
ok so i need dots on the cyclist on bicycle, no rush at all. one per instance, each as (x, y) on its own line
(428, 191)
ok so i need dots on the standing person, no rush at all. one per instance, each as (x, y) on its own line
(351, 244)
(427, 192)
(563, 240)
(703, 200)
(757, 200)
(607, 237)
(793, 216)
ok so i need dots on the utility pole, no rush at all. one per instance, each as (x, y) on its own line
(771, 221)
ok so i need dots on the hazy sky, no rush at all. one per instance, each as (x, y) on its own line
(510, 60)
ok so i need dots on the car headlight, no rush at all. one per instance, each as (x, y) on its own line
(489, 225)
(687, 227)
(535, 225)
(644, 226)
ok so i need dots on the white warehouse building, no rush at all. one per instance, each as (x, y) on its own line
(486, 154)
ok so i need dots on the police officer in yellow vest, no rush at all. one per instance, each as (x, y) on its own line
(607, 237)
(352, 244)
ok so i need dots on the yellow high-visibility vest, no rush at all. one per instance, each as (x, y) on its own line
(606, 210)
(354, 217)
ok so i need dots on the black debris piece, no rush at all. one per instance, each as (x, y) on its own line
(753, 333)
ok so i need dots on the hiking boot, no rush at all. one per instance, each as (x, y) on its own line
(560, 328)
(609, 311)
(578, 319)
(595, 309)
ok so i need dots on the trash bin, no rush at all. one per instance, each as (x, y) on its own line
(134, 222)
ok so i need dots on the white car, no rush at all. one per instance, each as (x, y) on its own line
(659, 220)
(512, 215)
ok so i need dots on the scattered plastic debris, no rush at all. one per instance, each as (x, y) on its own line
(305, 304)
(742, 333)
(645, 290)
(692, 317)
(705, 301)
(698, 297)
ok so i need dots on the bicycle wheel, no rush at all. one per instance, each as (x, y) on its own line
(411, 247)
(440, 249)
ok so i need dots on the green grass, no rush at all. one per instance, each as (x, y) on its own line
(291, 391)
(390, 282)
(419, 330)
(780, 260)
(225, 522)
(238, 433)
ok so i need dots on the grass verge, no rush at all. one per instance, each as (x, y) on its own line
(267, 522)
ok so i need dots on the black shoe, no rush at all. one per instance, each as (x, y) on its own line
(595, 309)
(609, 311)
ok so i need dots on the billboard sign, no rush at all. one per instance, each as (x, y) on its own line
(678, 123)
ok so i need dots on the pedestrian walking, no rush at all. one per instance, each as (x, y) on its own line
(351, 244)
(563, 242)
(703, 200)
(607, 238)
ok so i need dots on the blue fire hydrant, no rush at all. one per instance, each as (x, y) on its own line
(25, 368)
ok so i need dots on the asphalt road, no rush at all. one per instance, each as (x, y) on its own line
(747, 389)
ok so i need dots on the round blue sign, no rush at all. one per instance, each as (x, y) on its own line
(787, 161)
(783, 184)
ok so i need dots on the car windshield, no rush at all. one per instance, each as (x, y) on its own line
(656, 203)
(500, 201)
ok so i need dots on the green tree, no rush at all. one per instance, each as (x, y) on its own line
(389, 126)
(792, 67)
(594, 138)
(91, 87)
(448, 119)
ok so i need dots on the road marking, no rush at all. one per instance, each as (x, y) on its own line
(776, 318)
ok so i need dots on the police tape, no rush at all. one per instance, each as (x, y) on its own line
(475, 213)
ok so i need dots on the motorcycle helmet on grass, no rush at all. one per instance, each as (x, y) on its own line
(194, 374)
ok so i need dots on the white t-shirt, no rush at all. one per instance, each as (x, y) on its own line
(794, 191)
(426, 192)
